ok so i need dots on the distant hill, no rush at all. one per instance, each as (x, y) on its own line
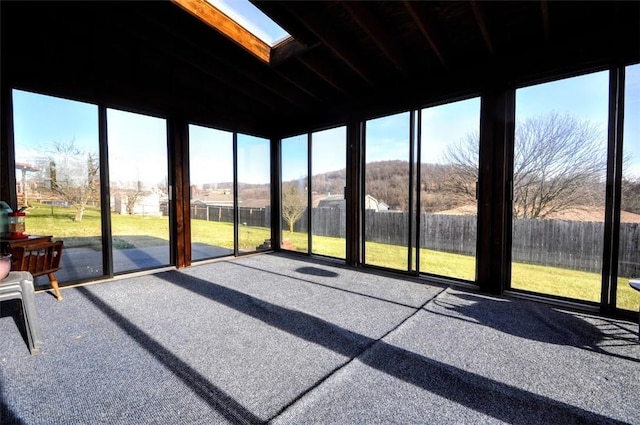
(388, 182)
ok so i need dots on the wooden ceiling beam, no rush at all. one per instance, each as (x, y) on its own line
(326, 73)
(288, 49)
(218, 20)
(371, 25)
(546, 25)
(302, 84)
(482, 25)
(184, 53)
(425, 28)
(267, 79)
(335, 43)
(278, 12)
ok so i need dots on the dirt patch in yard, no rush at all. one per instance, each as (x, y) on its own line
(571, 214)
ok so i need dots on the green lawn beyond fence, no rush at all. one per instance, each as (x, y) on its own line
(58, 221)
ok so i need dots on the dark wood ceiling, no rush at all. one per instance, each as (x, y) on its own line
(346, 59)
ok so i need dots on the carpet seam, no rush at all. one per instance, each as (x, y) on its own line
(364, 350)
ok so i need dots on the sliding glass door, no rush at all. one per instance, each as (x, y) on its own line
(559, 172)
(386, 191)
(449, 148)
(58, 178)
(139, 188)
(629, 244)
(254, 193)
(295, 193)
(328, 183)
(211, 202)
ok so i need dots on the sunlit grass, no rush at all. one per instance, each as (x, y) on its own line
(556, 281)
(58, 222)
(212, 233)
(322, 245)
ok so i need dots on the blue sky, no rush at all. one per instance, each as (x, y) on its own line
(251, 18)
(210, 153)
(585, 97)
(138, 148)
(138, 142)
(328, 153)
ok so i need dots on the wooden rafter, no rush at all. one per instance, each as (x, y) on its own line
(273, 86)
(168, 41)
(482, 26)
(301, 83)
(215, 18)
(546, 26)
(279, 13)
(325, 72)
(332, 41)
(288, 49)
(425, 30)
(371, 25)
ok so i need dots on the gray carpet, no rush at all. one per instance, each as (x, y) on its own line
(270, 338)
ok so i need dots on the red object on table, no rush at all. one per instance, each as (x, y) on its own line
(16, 225)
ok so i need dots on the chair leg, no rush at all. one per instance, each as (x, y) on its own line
(54, 285)
(31, 319)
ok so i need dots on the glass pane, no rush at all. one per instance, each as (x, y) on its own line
(629, 252)
(58, 178)
(295, 184)
(328, 170)
(386, 193)
(559, 187)
(254, 193)
(211, 176)
(449, 172)
(139, 190)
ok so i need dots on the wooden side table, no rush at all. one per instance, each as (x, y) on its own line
(44, 248)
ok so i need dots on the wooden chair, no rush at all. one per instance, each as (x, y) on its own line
(40, 258)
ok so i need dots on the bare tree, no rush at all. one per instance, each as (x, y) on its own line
(559, 163)
(133, 195)
(631, 195)
(74, 175)
(459, 181)
(294, 203)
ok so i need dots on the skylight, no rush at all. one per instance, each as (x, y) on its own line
(240, 21)
(252, 19)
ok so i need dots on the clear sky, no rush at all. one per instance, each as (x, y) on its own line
(252, 19)
(138, 143)
(137, 148)
(632, 120)
(210, 155)
(328, 153)
(254, 163)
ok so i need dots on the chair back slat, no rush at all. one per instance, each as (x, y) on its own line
(39, 258)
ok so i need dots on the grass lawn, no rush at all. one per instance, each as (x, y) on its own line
(140, 231)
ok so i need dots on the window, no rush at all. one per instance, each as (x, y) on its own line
(629, 249)
(58, 177)
(139, 189)
(386, 191)
(449, 147)
(559, 176)
(295, 193)
(328, 182)
(254, 193)
(212, 205)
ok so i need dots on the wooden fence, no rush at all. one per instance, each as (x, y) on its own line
(573, 245)
(248, 216)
